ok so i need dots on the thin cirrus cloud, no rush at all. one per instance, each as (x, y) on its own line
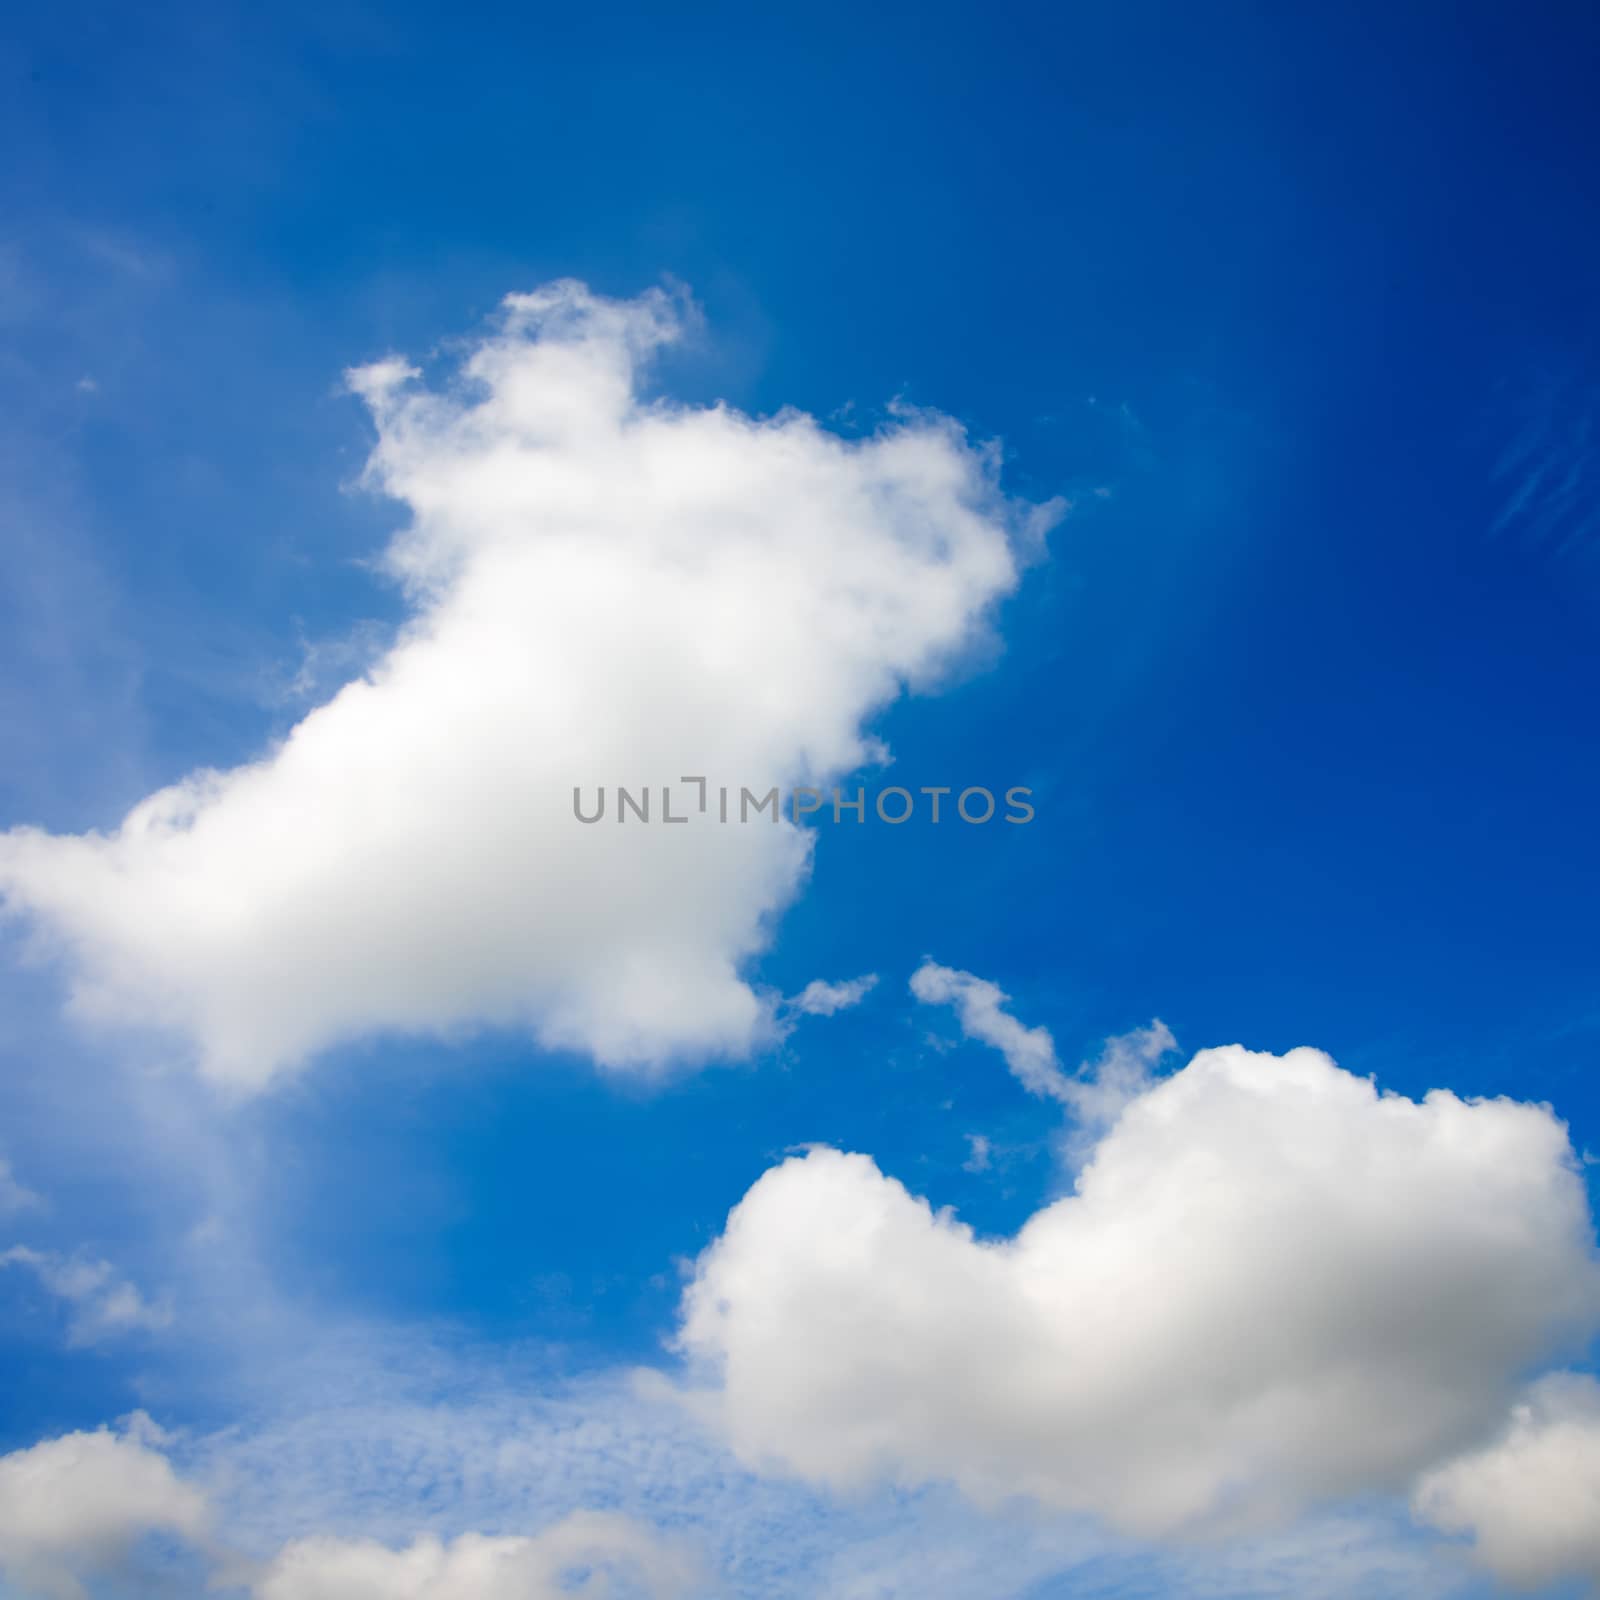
(1547, 476)
(605, 589)
(1272, 1286)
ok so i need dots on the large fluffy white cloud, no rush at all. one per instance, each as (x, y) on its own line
(1531, 1498)
(607, 589)
(1271, 1285)
(72, 1507)
(595, 1554)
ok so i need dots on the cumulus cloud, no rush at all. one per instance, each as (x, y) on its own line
(1272, 1285)
(1530, 1499)
(589, 1553)
(607, 589)
(1099, 1090)
(820, 999)
(103, 1304)
(73, 1507)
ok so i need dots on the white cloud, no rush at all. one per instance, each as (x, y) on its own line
(450, 1441)
(589, 1553)
(403, 1480)
(1124, 1070)
(980, 1009)
(1272, 1285)
(981, 1153)
(607, 590)
(14, 1196)
(103, 1305)
(820, 999)
(1101, 1088)
(1531, 1499)
(73, 1507)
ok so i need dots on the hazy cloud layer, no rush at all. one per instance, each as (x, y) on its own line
(72, 1509)
(408, 1481)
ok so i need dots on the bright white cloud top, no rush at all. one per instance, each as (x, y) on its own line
(607, 589)
(1273, 1285)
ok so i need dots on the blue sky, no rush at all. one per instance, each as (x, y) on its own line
(1293, 310)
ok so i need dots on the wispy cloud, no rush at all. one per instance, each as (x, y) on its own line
(1099, 1089)
(822, 999)
(1547, 476)
(15, 1196)
(103, 1305)
(980, 1009)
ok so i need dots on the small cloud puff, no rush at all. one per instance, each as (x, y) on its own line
(820, 999)
(980, 1153)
